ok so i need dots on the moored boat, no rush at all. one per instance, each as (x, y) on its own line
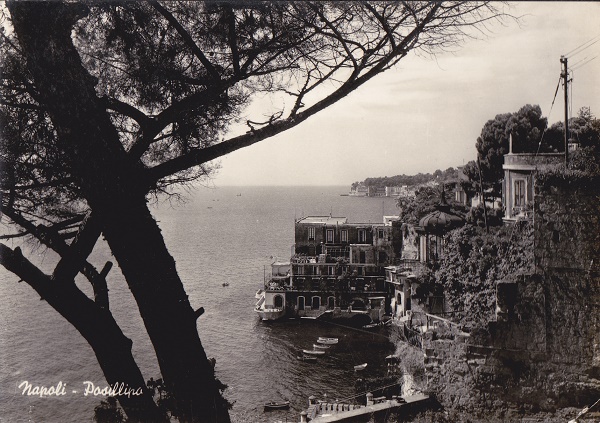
(360, 367)
(306, 358)
(320, 346)
(313, 352)
(327, 341)
(277, 405)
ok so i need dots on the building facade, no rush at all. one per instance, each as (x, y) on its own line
(519, 181)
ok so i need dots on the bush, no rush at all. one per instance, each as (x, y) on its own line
(473, 262)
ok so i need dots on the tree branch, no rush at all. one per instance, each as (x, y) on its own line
(72, 257)
(188, 39)
(204, 155)
(96, 325)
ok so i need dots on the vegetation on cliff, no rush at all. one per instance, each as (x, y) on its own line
(450, 174)
(473, 262)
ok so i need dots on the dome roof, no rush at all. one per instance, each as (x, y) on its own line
(441, 220)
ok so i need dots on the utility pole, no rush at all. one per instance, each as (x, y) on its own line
(487, 229)
(565, 77)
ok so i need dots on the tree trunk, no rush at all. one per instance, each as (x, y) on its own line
(114, 186)
(138, 246)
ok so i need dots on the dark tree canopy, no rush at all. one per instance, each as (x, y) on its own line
(103, 105)
(526, 127)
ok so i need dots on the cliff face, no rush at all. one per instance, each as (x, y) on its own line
(542, 352)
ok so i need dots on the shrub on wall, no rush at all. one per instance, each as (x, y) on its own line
(472, 264)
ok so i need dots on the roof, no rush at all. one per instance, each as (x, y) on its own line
(441, 220)
(323, 219)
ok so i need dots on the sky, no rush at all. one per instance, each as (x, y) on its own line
(426, 113)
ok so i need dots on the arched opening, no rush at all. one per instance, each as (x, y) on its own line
(316, 303)
(278, 301)
(300, 303)
(358, 304)
(330, 302)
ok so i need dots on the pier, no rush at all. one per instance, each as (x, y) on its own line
(324, 412)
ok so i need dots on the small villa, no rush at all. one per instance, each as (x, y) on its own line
(519, 180)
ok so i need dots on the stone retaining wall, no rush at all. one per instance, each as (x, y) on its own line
(543, 350)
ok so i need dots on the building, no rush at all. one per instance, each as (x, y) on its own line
(519, 180)
(432, 229)
(337, 272)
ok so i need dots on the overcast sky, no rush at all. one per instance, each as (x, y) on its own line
(426, 114)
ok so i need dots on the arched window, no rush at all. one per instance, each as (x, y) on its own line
(316, 303)
(278, 301)
(330, 302)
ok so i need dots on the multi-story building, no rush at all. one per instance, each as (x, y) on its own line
(337, 271)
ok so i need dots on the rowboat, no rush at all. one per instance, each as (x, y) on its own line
(320, 346)
(305, 358)
(360, 367)
(327, 341)
(371, 326)
(313, 352)
(274, 405)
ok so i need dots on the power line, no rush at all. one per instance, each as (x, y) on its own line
(582, 60)
(583, 64)
(584, 46)
(549, 114)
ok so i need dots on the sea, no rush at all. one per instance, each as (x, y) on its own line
(217, 235)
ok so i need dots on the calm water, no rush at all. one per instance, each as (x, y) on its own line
(219, 235)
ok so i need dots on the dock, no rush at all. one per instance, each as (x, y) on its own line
(323, 412)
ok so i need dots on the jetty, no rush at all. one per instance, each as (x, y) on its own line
(326, 412)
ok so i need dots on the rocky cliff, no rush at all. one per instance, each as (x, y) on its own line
(542, 351)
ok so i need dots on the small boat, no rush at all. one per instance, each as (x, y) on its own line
(320, 346)
(327, 341)
(313, 352)
(274, 405)
(372, 326)
(360, 367)
(225, 283)
(307, 359)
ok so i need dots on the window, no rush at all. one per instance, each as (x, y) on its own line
(344, 235)
(311, 233)
(362, 236)
(519, 193)
(380, 234)
(300, 303)
(329, 235)
(330, 302)
(278, 301)
(316, 303)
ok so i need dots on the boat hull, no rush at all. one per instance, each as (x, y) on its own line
(327, 341)
(313, 352)
(277, 406)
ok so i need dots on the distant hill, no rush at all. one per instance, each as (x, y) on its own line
(450, 174)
